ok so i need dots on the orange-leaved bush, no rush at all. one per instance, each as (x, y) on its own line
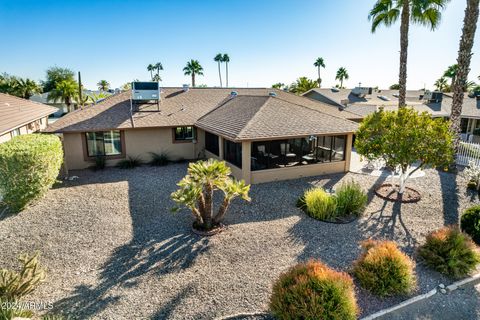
(312, 290)
(384, 270)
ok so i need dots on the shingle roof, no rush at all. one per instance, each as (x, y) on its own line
(260, 117)
(178, 108)
(387, 99)
(16, 112)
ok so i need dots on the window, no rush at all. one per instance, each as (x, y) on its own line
(211, 143)
(15, 132)
(296, 152)
(233, 152)
(106, 143)
(183, 133)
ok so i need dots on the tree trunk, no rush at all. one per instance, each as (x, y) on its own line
(402, 81)
(341, 83)
(463, 62)
(319, 79)
(220, 75)
(208, 213)
(193, 80)
(226, 75)
(221, 212)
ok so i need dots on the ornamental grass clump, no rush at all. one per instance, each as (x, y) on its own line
(314, 291)
(451, 252)
(384, 270)
(351, 199)
(29, 166)
(319, 204)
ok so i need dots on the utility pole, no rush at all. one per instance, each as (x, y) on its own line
(80, 88)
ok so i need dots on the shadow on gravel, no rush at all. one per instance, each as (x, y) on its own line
(161, 243)
(448, 184)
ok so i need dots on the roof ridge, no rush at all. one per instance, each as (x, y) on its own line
(249, 122)
(331, 115)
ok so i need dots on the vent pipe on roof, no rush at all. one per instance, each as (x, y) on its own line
(233, 94)
(272, 94)
(185, 87)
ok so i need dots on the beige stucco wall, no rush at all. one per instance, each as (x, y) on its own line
(31, 127)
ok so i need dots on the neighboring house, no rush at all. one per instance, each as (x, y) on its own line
(19, 116)
(263, 134)
(364, 101)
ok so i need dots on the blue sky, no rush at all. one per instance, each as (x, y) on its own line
(268, 41)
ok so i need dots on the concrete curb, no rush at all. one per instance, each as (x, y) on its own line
(401, 305)
(454, 286)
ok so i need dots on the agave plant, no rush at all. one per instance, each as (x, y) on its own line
(198, 186)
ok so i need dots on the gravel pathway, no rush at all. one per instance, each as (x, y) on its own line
(114, 250)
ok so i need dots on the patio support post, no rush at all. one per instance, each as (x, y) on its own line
(220, 148)
(348, 152)
(246, 161)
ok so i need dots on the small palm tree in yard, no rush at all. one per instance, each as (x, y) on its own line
(65, 91)
(103, 85)
(198, 186)
(27, 88)
(193, 68)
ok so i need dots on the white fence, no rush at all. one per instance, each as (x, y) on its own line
(468, 151)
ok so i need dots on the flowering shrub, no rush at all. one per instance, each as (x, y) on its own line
(473, 173)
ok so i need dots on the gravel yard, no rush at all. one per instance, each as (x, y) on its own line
(114, 250)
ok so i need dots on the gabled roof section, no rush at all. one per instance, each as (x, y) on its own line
(251, 118)
(16, 112)
(178, 108)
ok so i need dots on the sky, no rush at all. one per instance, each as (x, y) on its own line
(268, 41)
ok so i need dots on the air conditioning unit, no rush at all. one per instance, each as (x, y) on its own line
(146, 91)
(433, 96)
(362, 91)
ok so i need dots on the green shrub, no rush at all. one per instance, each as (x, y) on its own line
(351, 199)
(100, 162)
(384, 270)
(9, 310)
(450, 252)
(470, 223)
(159, 159)
(320, 204)
(313, 291)
(15, 285)
(29, 166)
(130, 163)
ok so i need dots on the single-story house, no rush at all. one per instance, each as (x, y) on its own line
(364, 101)
(263, 134)
(20, 116)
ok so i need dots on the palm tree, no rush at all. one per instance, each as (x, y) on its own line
(219, 59)
(303, 84)
(319, 63)
(441, 84)
(463, 66)
(151, 68)
(451, 73)
(103, 85)
(226, 59)
(342, 74)
(423, 12)
(278, 85)
(65, 92)
(193, 68)
(158, 66)
(25, 88)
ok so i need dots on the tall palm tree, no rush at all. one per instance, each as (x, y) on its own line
(193, 68)
(319, 63)
(151, 68)
(158, 66)
(219, 59)
(441, 84)
(103, 85)
(26, 88)
(463, 62)
(451, 73)
(226, 59)
(423, 12)
(342, 74)
(65, 92)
